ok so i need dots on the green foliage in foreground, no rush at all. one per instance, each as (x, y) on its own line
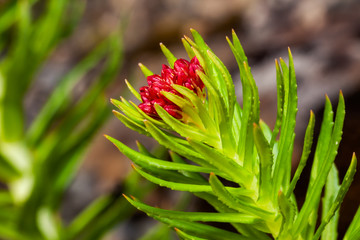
(230, 142)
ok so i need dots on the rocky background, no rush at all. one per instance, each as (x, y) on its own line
(324, 36)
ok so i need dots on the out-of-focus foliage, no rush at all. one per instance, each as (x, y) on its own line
(37, 162)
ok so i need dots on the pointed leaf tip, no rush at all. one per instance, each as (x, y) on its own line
(131, 198)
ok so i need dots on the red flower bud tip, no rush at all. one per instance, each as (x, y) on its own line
(184, 74)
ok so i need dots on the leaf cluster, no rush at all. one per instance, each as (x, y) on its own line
(224, 140)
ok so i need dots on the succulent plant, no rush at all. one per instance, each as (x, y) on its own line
(213, 140)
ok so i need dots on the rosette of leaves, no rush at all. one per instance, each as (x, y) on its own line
(224, 140)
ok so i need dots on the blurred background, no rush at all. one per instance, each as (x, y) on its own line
(324, 36)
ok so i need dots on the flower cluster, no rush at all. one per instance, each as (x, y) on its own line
(184, 74)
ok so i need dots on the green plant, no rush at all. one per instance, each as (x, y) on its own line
(213, 138)
(38, 162)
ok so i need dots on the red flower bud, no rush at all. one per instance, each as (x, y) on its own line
(184, 74)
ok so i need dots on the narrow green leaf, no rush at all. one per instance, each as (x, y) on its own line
(245, 141)
(131, 124)
(228, 81)
(354, 234)
(178, 159)
(331, 190)
(145, 70)
(280, 102)
(190, 115)
(228, 141)
(349, 176)
(200, 43)
(353, 231)
(58, 98)
(158, 123)
(132, 90)
(199, 106)
(313, 196)
(266, 162)
(128, 110)
(144, 160)
(188, 49)
(175, 144)
(238, 47)
(216, 103)
(88, 215)
(201, 49)
(169, 56)
(185, 130)
(202, 230)
(308, 140)
(224, 164)
(237, 123)
(322, 147)
(186, 236)
(236, 203)
(265, 130)
(186, 186)
(323, 140)
(255, 94)
(288, 211)
(194, 216)
(282, 169)
(243, 229)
